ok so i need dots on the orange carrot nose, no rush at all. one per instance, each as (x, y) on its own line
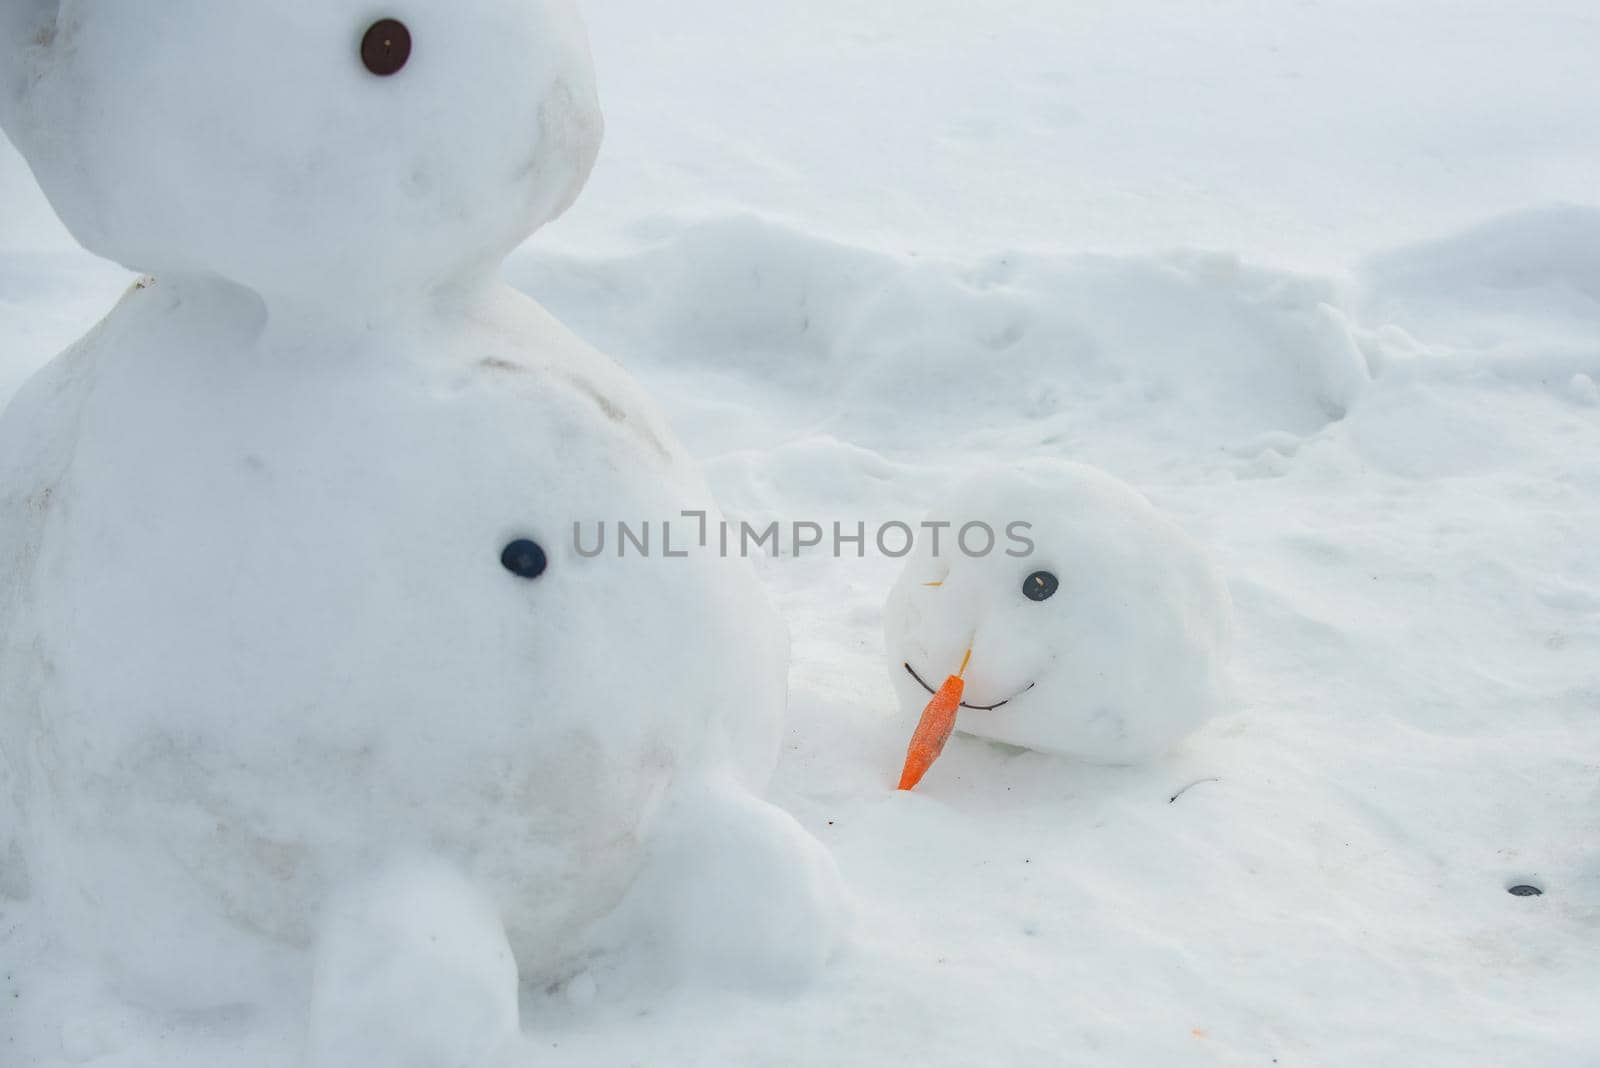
(933, 731)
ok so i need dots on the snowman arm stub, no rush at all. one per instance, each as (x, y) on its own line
(412, 966)
(738, 894)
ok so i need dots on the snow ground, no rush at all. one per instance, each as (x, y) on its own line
(859, 254)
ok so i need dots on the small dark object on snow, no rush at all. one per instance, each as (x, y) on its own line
(1199, 782)
(524, 559)
(1040, 586)
(1526, 891)
(386, 47)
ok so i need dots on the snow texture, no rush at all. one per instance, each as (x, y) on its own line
(860, 254)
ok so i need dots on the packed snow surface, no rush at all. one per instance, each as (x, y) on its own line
(859, 255)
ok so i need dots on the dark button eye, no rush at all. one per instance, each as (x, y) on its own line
(1040, 586)
(386, 47)
(524, 559)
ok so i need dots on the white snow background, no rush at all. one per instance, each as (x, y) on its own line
(1323, 281)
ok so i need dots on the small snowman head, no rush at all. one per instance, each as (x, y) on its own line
(304, 147)
(1094, 627)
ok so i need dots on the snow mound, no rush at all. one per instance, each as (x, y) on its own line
(1521, 292)
(1200, 348)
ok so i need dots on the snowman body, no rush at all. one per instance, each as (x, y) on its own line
(264, 639)
(258, 637)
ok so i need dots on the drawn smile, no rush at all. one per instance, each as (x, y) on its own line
(975, 708)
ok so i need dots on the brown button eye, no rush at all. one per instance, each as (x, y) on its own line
(386, 47)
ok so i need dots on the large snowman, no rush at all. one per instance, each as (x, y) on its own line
(289, 595)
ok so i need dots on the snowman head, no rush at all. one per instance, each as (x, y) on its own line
(305, 146)
(1095, 627)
